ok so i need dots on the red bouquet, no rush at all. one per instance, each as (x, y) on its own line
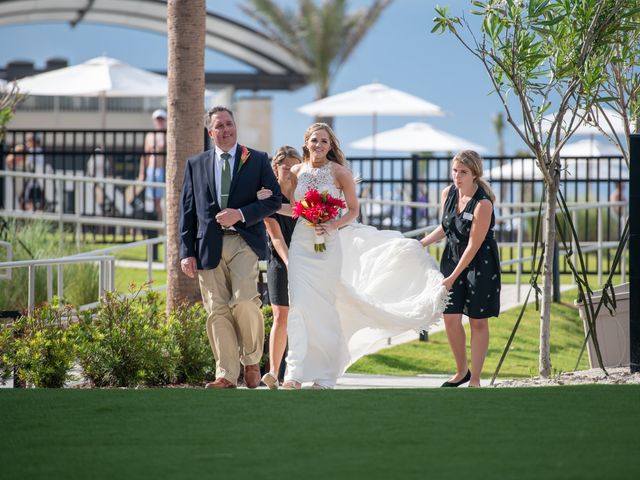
(317, 208)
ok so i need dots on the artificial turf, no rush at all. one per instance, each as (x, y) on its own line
(576, 432)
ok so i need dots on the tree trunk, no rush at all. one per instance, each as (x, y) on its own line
(547, 278)
(323, 92)
(185, 101)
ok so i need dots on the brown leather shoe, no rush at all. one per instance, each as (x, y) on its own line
(220, 383)
(252, 375)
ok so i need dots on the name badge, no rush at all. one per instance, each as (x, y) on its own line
(467, 216)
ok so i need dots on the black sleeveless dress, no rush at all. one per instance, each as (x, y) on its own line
(476, 292)
(277, 278)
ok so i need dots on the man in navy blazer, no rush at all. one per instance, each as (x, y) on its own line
(222, 237)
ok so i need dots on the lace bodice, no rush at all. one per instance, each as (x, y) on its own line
(320, 179)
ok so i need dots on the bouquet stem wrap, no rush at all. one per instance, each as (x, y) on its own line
(319, 243)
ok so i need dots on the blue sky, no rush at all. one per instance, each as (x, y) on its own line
(399, 51)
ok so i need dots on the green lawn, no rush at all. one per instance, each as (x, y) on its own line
(586, 432)
(138, 276)
(435, 356)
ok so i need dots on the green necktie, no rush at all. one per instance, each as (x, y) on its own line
(225, 181)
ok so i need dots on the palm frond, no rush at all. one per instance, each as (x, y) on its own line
(363, 21)
(281, 25)
(322, 35)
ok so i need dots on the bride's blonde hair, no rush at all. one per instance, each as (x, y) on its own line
(335, 154)
(473, 161)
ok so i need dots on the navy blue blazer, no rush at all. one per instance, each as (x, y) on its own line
(200, 233)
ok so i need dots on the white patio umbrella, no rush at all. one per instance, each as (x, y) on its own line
(589, 126)
(589, 148)
(99, 77)
(373, 99)
(581, 169)
(416, 137)
(519, 168)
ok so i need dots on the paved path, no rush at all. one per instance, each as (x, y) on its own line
(352, 381)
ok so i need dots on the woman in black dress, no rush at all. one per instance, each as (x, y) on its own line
(279, 229)
(470, 264)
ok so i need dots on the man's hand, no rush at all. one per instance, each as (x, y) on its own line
(228, 217)
(188, 266)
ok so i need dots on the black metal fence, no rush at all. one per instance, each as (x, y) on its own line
(517, 184)
(118, 154)
(91, 153)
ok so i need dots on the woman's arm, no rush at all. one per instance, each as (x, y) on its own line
(277, 239)
(433, 237)
(437, 234)
(285, 209)
(479, 229)
(344, 181)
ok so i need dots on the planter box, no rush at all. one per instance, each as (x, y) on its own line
(613, 331)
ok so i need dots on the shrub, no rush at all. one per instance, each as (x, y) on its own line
(126, 342)
(267, 313)
(187, 325)
(40, 347)
(6, 347)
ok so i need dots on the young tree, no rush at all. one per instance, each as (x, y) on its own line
(621, 89)
(541, 54)
(322, 36)
(186, 38)
(10, 97)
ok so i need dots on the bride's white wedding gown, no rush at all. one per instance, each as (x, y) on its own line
(368, 285)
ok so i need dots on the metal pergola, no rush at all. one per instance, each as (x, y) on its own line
(275, 67)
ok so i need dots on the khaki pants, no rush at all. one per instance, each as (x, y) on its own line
(230, 295)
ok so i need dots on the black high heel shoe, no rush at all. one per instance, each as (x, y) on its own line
(464, 380)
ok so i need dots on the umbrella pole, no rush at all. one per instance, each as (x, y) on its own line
(103, 109)
(374, 128)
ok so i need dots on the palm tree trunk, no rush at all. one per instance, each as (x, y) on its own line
(323, 92)
(185, 101)
(544, 364)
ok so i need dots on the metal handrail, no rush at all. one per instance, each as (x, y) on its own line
(150, 242)
(9, 248)
(80, 178)
(106, 274)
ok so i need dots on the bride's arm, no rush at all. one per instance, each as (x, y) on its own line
(344, 180)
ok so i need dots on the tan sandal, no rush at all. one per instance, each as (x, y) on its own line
(291, 385)
(270, 380)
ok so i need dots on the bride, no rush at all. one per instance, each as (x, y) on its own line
(366, 286)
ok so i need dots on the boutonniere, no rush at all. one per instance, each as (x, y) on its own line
(244, 156)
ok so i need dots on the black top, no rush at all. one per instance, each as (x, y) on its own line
(457, 226)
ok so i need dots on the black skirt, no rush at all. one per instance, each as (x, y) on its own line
(278, 282)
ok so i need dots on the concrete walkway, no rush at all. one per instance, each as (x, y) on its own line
(352, 381)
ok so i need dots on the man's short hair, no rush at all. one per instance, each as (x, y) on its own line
(217, 109)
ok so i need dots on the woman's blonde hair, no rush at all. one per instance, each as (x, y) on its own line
(335, 154)
(473, 161)
(283, 153)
